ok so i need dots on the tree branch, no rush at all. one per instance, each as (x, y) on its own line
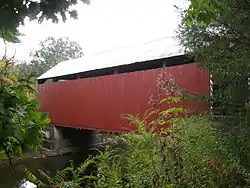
(5, 45)
(246, 39)
(8, 156)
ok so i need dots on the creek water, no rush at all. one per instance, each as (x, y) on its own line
(10, 179)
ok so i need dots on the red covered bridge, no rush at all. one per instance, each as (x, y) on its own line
(94, 91)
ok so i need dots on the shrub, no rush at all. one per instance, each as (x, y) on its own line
(190, 156)
(22, 126)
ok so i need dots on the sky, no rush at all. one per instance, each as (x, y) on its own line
(105, 25)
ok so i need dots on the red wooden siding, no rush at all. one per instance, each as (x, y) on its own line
(98, 102)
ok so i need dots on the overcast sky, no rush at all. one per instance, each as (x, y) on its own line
(106, 25)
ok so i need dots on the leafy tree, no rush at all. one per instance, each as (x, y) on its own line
(223, 46)
(52, 51)
(205, 11)
(218, 36)
(13, 13)
(21, 125)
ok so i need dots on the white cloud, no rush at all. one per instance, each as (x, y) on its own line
(107, 24)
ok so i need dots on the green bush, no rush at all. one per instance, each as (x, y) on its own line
(22, 126)
(190, 156)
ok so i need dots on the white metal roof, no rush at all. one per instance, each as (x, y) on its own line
(123, 56)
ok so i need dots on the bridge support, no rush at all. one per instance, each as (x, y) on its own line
(58, 138)
(65, 137)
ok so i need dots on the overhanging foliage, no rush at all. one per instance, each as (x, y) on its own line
(13, 13)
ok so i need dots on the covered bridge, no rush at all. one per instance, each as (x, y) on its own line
(94, 91)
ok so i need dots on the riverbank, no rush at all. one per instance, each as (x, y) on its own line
(45, 153)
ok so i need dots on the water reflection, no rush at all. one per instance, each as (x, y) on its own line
(50, 165)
